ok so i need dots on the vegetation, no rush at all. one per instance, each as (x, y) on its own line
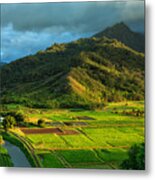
(41, 123)
(1, 140)
(19, 116)
(122, 33)
(49, 160)
(103, 138)
(5, 160)
(2, 64)
(67, 75)
(136, 158)
(78, 105)
(8, 122)
(106, 136)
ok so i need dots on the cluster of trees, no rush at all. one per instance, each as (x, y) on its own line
(8, 122)
(16, 118)
(12, 118)
(136, 158)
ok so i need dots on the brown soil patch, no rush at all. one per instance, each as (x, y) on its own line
(40, 130)
(48, 131)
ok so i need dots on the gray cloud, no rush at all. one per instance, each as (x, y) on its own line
(16, 44)
(27, 28)
(85, 16)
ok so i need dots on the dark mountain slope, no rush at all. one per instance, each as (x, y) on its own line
(85, 73)
(2, 64)
(122, 33)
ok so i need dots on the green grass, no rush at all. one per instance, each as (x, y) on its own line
(46, 141)
(98, 159)
(78, 141)
(128, 105)
(49, 160)
(111, 155)
(5, 160)
(113, 136)
(79, 156)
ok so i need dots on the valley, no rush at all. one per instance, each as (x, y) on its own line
(78, 104)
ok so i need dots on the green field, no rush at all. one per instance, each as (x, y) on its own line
(102, 140)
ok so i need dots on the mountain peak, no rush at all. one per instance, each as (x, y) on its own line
(115, 29)
(120, 25)
(123, 33)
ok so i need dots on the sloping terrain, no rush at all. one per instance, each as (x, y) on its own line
(84, 73)
(123, 33)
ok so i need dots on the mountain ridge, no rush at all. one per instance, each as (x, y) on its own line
(67, 75)
(123, 33)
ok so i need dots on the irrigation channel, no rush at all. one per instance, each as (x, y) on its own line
(17, 156)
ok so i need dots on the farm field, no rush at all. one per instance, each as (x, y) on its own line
(77, 138)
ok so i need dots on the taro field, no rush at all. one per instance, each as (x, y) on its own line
(77, 138)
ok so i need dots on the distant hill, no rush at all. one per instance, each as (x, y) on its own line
(85, 73)
(2, 64)
(123, 33)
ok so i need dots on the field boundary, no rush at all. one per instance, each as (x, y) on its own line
(85, 148)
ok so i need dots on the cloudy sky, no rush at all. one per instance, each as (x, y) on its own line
(27, 28)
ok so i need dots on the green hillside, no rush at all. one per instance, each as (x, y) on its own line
(84, 73)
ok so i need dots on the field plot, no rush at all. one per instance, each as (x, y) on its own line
(113, 136)
(82, 158)
(50, 160)
(47, 141)
(101, 159)
(40, 131)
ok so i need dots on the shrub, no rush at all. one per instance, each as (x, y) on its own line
(9, 122)
(41, 123)
(136, 158)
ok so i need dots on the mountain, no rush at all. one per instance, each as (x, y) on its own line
(2, 64)
(85, 73)
(123, 33)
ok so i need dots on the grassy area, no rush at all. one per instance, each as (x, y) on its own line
(113, 136)
(46, 141)
(5, 160)
(79, 156)
(102, 142)
(49, 160)
(100, 159)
